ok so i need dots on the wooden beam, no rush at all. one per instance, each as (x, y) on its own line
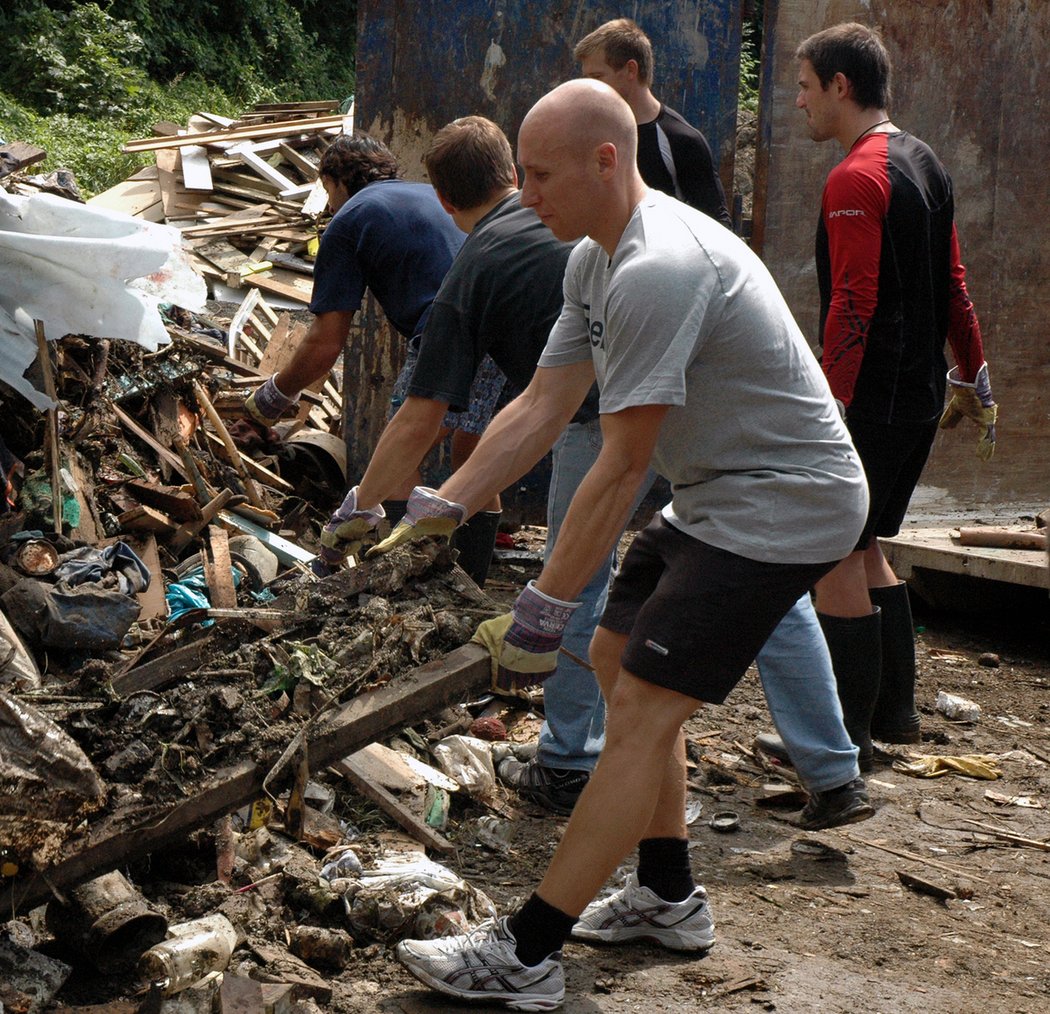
(159, 672)
(279, 129)
(367, 717)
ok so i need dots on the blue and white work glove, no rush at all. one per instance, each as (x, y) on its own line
(345, 533)
(524, 643)
(426, 513)
(268, 403)
(975, 402)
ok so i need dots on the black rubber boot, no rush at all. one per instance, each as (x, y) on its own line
(475, 541)
(856, 657)
(895, 719)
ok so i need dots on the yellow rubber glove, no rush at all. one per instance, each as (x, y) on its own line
(425, 514)
(344, 534)
(973, 401)
(524, 643)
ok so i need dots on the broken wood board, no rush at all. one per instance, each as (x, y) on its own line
(360, 775)
(139, 196)
(221, 592)
(158, 672)
(367, 717)
(282, 282)
(280, 129)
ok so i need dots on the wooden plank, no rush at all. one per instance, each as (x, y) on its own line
(196, 170)
(355, 773)
(406, 700)
(191, 529)
(934, 549)
(146, 437)
(19, 154)
(161, 671)
(260, 472)
(279, 129)
(281, 282)
(174, 501)
(299, 161)
(217, 570)
(262, 167)
(146, 519)
(138, 196)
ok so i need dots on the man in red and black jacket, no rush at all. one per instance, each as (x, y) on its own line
(892, 293)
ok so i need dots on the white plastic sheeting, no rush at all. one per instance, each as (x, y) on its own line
(83, 270)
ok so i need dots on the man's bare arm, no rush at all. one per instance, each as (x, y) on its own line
(599, 508)
(404, 443)
(317, 353)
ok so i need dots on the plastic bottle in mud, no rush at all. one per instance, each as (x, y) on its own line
(193, 952)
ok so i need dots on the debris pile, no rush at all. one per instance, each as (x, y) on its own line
(244, 193)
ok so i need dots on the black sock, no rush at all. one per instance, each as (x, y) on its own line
(540, 929)
(663, 867)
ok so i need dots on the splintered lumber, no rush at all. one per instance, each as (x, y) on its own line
(222, 593)
(144, 435)
(146, 519)
(229, 446)
(279, 129)
(357, 775)
(18, 155)
(116, 840)
(166, 669)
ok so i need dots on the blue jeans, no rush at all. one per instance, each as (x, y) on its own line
(574, 731)
(799, 684)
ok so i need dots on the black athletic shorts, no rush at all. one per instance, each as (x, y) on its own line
(696, 616)
(893, 459)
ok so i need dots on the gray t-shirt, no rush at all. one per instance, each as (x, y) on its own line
(686, 315)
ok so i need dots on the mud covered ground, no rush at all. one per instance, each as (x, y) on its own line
(803, 928)
(805, 922)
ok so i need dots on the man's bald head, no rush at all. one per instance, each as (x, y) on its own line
(578, 147)
(584, 114)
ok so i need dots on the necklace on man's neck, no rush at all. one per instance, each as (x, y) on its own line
(868, 131)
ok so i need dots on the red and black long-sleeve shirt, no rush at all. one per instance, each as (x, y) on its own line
(892, 285)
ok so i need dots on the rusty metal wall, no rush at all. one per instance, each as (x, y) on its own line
(422, 64)
(969, 79)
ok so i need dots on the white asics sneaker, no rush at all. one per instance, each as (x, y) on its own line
(635, 913)
(482, 965)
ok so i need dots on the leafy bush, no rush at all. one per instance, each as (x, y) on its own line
(80, 61)
(90, 147)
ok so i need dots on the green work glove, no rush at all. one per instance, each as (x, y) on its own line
(524, 643)
(425, 514)
(345, 533)
(974, 401)
(268, 403)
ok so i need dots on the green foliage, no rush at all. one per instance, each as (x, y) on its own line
(85, 77)
(80, 61)
(250, 43)
(90, 147)
(751, 60)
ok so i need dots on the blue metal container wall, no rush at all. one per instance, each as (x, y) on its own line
(420, 65)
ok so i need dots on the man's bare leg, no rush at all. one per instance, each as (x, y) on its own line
(643, 751)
